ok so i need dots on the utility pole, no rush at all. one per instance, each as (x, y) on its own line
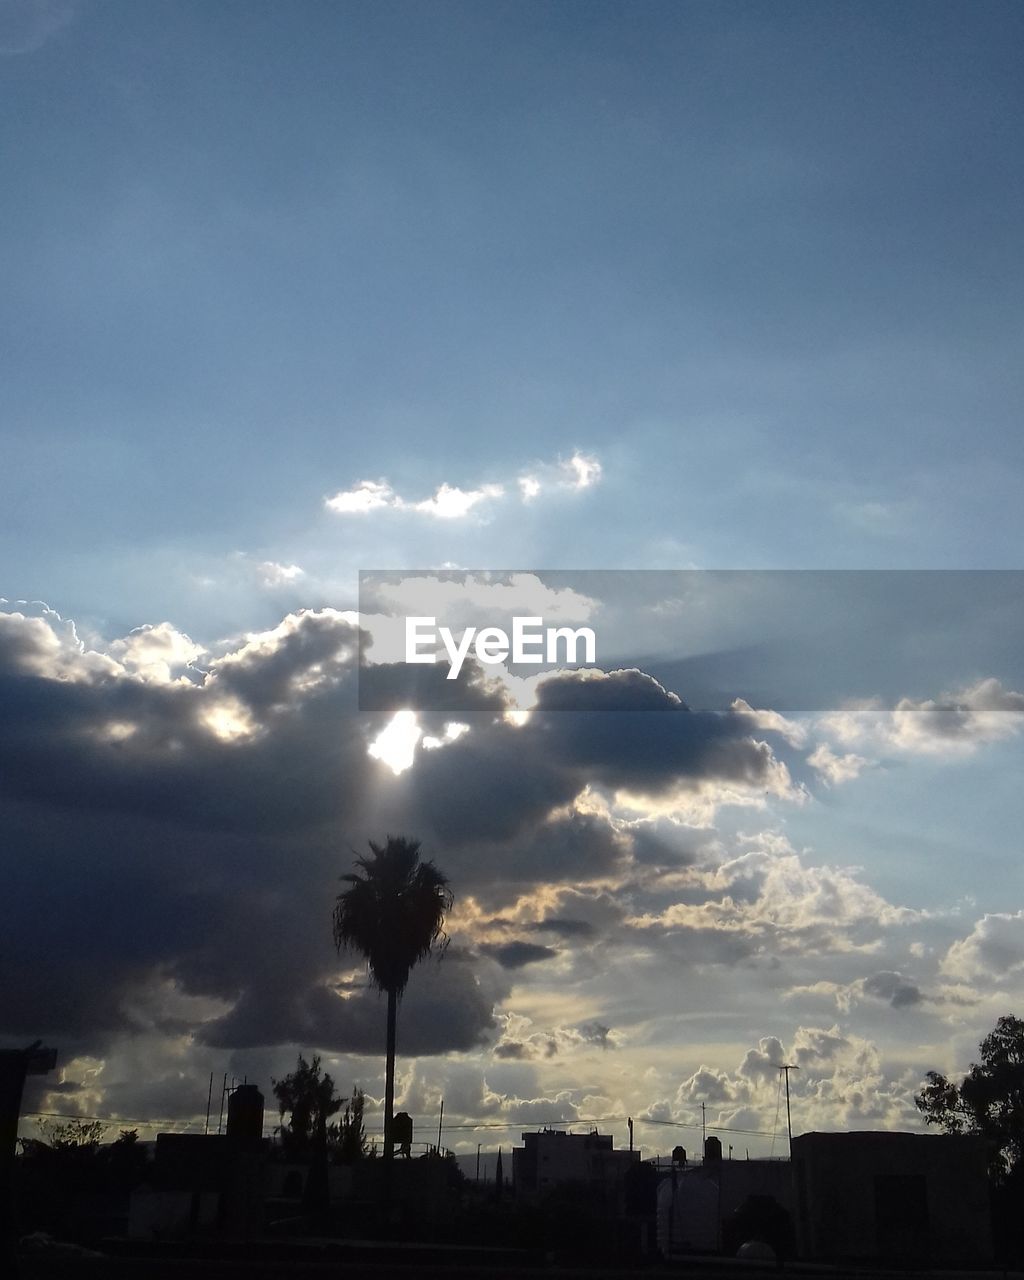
(629, 1121)
(478, 1145)
(440, 1118)
(209, 1101)
(786, 1068)
(704, 1121)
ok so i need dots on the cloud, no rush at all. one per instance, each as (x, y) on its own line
(887, 985)
(579, 471)
(707, 1085)
(448, 1006)
(836, 769)
(955, 724)
(45, 645)
(770, 721)
(763, 1063)
(366, 496)
(202, 796)
(184, 809)
(521, 1044)
(842, 1080)
(271, 574)
(894, 988)
(517, 954)
(159, 653)
(993, 951)
(450, 502)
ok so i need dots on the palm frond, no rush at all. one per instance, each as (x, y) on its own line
(393, 911)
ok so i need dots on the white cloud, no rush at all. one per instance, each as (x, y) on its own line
(955, 724)
(451, 502)
(992, 951)
(582, 471)
(448, 502)
(835, 769)
(273, 574)
(770, 895)
(156, 653)
(42, 643)
(772, 721)
(367, 495)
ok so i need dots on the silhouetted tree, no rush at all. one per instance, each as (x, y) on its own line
(309, 1100)
(351, 1141)
(75, 1135)
(988, 1101)
(393, 913)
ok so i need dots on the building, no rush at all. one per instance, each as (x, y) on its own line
(552, 1157)
(717, 1205)
(892, 1197)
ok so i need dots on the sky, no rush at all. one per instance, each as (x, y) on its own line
(614, 299)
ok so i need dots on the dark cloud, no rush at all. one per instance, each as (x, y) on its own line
(389, 687)
(595, 1033)
(893, 987)
(447, 1006)
(191, 831)
(565, 928)
(515, 1050)
(515, 955)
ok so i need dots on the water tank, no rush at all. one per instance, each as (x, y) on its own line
(401, 1132)
(245, 1112)
(687, 1215)
(679, 1155)
(712, 1149)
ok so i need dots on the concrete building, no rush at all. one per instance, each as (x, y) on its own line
(698, 1205)
(892, 1197)
(553, 1156)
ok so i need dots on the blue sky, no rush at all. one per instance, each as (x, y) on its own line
(762, 259)
(734, 285)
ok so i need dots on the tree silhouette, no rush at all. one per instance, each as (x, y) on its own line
(352, 1142)
(309, 1100)
(989, 1100)
(393, 912)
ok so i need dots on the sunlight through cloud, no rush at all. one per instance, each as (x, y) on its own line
(395, 745)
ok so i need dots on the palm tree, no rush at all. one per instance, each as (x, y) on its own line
(393, 912)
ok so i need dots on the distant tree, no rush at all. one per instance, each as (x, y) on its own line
(350, 1140)
(393, 913)
(308, 1098)
(73, 1135)
(988, 1101)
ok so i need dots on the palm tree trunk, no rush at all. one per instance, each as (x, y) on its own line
(389, 1078)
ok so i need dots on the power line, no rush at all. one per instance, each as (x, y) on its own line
(111, 1120)
(552, 1124)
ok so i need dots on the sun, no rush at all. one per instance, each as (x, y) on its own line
(396, 743)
